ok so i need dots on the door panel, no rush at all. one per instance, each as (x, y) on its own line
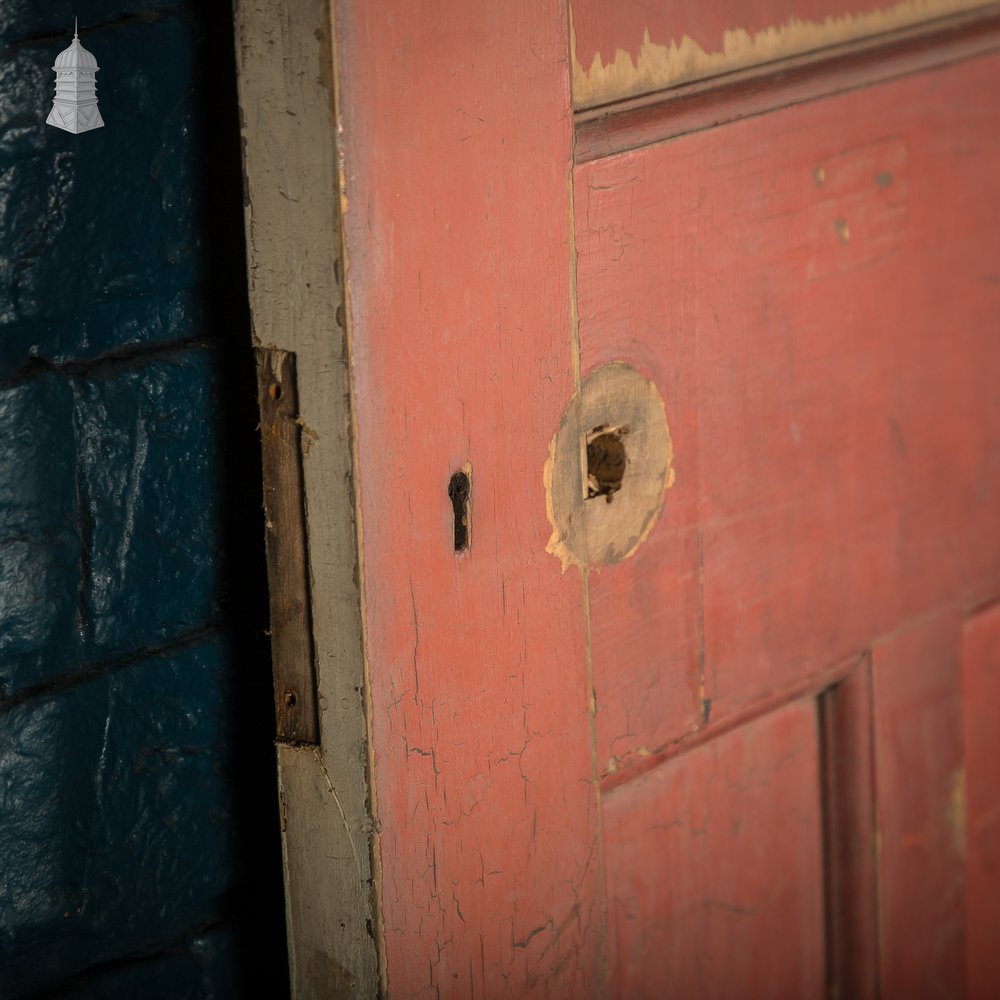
(809, 292)
(715, 868)
(813, 299)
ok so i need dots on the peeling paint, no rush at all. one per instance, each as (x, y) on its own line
(326, 77)
(657, 66)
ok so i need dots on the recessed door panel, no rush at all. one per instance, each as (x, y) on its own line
(715, 868)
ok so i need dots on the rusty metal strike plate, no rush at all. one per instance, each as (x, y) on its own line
(295, 700)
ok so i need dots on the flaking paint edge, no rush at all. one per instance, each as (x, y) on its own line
(556, 544)
(659, 66)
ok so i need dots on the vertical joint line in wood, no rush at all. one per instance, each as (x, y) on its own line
(571, 205)
(575, 367)
(574, 315)
(602, 887)
(295, 699)
(345, 319)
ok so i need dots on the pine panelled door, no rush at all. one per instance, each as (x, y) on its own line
(630, 381)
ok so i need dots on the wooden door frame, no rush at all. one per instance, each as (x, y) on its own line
(287, 95)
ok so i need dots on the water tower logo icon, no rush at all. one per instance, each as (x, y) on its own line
(75, 106)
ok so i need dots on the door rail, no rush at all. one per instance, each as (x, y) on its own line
(667, 114)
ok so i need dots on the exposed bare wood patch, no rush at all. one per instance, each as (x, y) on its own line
(656, 64)
(609, 464)
(699, 104)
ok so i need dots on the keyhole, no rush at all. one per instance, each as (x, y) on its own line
(460, 492)
(606, 461)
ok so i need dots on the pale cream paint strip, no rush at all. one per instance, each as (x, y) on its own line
(286, 80)
(657, 66)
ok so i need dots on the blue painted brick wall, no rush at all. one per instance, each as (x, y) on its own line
(138, 827)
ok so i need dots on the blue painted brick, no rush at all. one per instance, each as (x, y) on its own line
(148, 459)
(115, 815)
(109, 214)
(201, 970)
(20, 19)
(102, 328)
(24, 74)
(39, 545)
(117, 832)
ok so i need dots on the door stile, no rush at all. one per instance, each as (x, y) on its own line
(601, 964)
(457, 132)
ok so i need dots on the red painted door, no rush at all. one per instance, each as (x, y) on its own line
(677, 463)
(785, 686)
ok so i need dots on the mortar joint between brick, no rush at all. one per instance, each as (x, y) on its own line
(102, 668)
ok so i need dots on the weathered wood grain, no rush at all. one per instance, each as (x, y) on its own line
(813, 296)
(284, 54)
(295, 709)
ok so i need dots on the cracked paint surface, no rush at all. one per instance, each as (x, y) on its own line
(480, 723)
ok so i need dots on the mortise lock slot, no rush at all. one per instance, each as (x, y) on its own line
(606, 461)
(460, 494)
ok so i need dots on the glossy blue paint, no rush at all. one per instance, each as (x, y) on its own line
(138, 822)
(102, 248)
(21, 19)
(39, 544)
(116, 832)
(147, 473)
(198, 971)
